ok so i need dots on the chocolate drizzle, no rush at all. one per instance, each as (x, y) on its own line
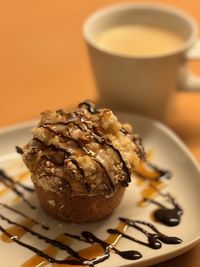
(101, 140)
(5, 177)
(13, 185)
(24, 215)
(88, 152)
(53, 242)
(138, 141)
(81, 146)
(153, 239)
(79, 121)
(92, 239)
(168, 216)
(58, 130)
(89, 106)
(19, 150)
(39, 252)
(139, 146)
(164, 215)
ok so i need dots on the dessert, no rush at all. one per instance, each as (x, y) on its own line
(81, 162)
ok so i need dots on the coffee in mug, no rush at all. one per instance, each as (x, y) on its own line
(139, 39)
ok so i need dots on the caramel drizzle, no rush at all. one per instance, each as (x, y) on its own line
(153, 177)
(16, 231)
(153, 239)
(104, 247)
(5, 177)
(18, 178)
(149, 171)
(24, 215)
(50, 250)
(100, 249)
(90, 252)
(13, 185)
(37, 251)
(77, 259)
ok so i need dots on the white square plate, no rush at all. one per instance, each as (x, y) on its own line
(169, 153)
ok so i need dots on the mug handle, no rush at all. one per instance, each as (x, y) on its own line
(188, 81)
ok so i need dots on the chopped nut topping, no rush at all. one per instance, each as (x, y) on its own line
(89, 149)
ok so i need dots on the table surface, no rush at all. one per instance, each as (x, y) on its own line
(44, 65)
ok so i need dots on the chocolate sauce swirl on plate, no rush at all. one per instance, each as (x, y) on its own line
(153, 241)
(168, 216)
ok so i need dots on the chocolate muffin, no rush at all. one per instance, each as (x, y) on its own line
(81, 162)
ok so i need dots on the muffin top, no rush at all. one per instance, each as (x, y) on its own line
(88, 149)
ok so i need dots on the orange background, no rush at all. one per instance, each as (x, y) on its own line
(43, 58)
(44, 65)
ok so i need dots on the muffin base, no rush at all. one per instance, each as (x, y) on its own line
(79, 208)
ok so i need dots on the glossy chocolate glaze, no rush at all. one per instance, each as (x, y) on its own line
(153, 239)
(168, 216)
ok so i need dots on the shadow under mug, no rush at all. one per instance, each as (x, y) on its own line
(142, 84)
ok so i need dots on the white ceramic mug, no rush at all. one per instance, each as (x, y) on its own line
(142, 84)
